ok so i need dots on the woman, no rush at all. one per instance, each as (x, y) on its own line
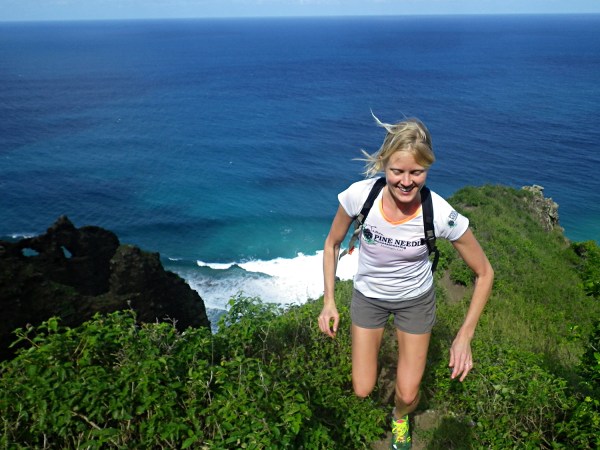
(394, 272)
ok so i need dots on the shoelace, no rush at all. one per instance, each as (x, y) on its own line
(400, 430)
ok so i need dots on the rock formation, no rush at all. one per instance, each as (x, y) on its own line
(74, 273)
(544, 209)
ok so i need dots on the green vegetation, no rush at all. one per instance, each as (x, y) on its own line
(269, 379)
(589, 266)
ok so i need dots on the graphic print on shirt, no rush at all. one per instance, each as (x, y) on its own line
(371, 236)
(452, 219)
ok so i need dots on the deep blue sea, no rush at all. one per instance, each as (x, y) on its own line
(222, 143)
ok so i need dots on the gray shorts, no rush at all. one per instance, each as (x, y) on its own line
(414, 316)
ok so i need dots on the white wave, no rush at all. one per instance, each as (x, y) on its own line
(217, 266)
(19, 236)
(288, 280)
(347, 266)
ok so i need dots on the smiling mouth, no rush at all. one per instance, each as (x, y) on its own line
(407, 189)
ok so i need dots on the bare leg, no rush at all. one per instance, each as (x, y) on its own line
(412, 357)
(365, 349)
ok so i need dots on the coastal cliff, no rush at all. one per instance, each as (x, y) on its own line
(544, 209)
(74, 273)
(271, 379)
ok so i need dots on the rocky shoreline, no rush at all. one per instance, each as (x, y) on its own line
(74, 273)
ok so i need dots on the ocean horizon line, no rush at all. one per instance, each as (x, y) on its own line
(296, 17)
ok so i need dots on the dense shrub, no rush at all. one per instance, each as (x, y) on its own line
(106, 383)
(267, 380)
(589, 266)
(510, 400)
(316, 366)
(582, 430)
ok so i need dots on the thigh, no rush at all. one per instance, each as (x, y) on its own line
(412, 357)
(365, 348)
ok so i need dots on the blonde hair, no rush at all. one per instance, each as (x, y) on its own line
(410, 136)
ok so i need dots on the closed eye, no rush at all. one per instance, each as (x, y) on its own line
(412, 172)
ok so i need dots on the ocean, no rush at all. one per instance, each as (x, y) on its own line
(222, 143)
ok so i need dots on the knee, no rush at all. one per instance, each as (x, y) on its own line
(362, 390)
(407, 397)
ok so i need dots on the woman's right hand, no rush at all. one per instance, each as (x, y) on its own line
(329, 317)
(329, 320)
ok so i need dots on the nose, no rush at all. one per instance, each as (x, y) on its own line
(405, 179)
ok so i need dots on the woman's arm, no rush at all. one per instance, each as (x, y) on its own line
(331, 251)
(461, 359)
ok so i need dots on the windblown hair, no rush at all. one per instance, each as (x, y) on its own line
(410, 136)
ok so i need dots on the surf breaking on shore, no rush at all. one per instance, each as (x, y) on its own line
(283, 281)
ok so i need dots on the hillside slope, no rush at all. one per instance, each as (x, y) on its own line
(270, 379)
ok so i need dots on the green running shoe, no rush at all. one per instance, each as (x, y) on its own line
(401, 439)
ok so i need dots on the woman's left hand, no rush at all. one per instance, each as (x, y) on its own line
(461, 359)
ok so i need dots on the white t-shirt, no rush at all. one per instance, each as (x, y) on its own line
(393, 262)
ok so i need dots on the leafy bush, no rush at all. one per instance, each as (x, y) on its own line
(510, 400)
(316, 366)
(267, 380)
(589, 266)
(113, 384)
(590, 362)
(106, 383)
(582, 428)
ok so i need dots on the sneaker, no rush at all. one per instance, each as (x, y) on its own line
(401, 434)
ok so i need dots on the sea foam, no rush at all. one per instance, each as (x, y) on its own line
(283, 281)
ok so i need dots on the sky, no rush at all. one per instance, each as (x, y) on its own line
(28, 10)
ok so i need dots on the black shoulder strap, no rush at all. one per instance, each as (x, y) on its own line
(428, 226)
(364, 212)
(427, 206)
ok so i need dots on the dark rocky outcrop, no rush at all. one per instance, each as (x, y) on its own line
(74, 273)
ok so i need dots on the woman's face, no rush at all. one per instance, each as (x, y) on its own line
(405, 177)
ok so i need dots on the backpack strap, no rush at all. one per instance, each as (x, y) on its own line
(427, 207)
(364, 212)
(429, 240)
